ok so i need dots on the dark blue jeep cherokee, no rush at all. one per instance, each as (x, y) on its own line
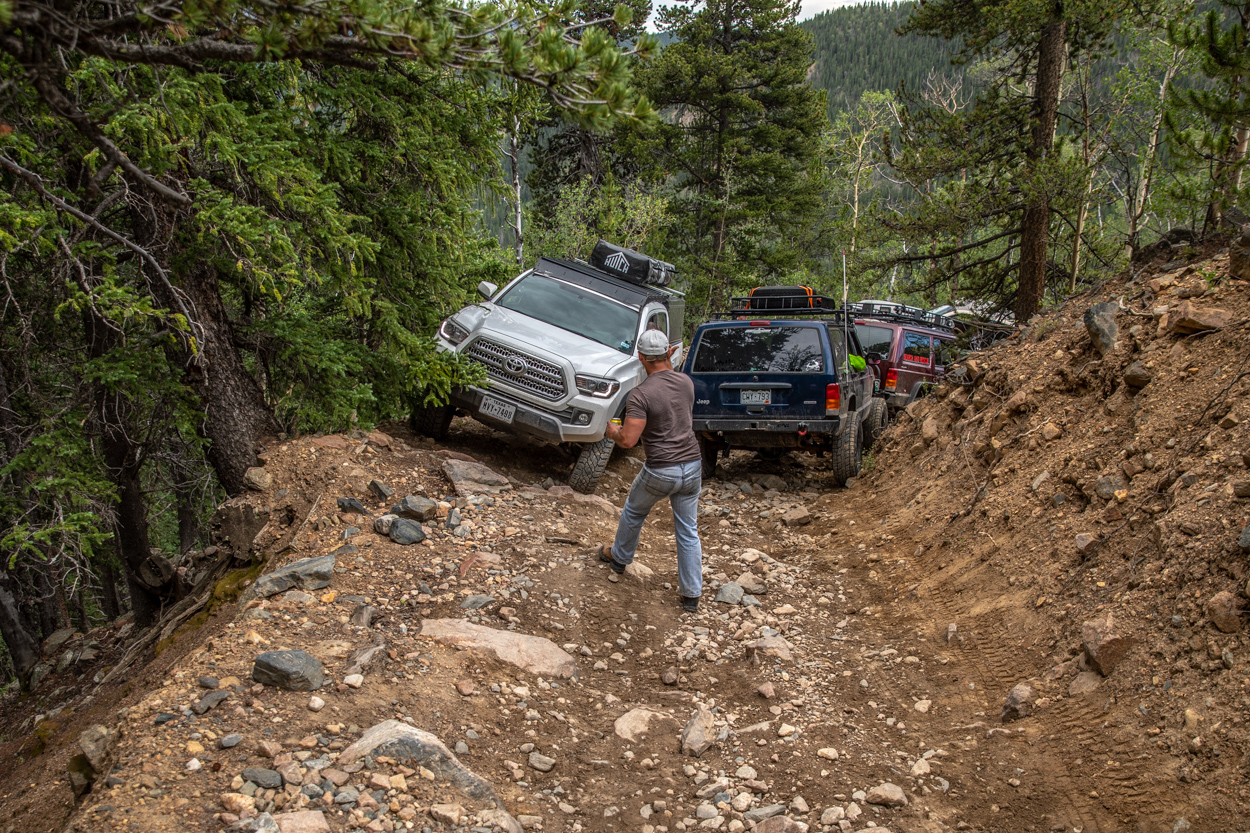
(782, 370)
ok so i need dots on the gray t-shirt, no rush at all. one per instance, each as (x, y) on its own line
(666, 401)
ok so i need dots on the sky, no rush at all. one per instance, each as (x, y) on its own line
(809, 8)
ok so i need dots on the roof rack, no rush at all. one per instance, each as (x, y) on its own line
(901, 314)
(782, 306)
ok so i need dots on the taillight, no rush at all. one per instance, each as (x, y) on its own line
(760, 323)
(833, 397)
(891, 379)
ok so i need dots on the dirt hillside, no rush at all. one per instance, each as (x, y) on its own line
(854, 675)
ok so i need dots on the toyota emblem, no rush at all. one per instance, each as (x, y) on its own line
(515, 365)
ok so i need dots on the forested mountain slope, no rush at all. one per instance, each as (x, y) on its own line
(857, 49)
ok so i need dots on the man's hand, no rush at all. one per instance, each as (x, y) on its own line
(627, 435)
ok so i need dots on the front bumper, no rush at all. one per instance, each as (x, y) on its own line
(540, 423)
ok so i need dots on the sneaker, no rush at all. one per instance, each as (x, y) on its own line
(690, 604)
(605, 555)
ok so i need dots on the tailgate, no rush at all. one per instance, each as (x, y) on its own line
(745, 372)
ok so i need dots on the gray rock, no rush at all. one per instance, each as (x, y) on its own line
(404, 532)
(306, 574)
(476, 602)
(350, 504)
(380, 489)
(698, 735)
(453, 519)
(362, 615)
(257, 479)
(292, 670)
(1244, 541)
(382, 525)
(97, 745)
(57, 640)
(345, 550)
(730, 593)
(209, 683)
(462, 748)
(347, 795)
(1137, 376)
(887, 794)
(470, 478)
(266, 779)
(264, 823)
(1106, 487)
(1019, 703)
(753, 584)
(785, 824)
(750, 601)
(760, 813)
(770, 481)
(541, 762)
(230, 741)
(416, 508)
(531, 653)
(210, 701)
(1102, 327)
(407, 744)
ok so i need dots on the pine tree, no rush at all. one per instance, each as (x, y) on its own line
(740, 136)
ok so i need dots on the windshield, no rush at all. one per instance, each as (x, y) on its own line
(574, 309)
(875, 339)
(760, 349)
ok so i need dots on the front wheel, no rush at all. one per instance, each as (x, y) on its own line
(848, 450)
(590, 466)
(431, 420)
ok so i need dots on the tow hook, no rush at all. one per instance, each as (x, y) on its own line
(802, 429)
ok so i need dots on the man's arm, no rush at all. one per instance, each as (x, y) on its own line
(627, 435)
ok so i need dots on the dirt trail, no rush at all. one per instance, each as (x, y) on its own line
(910, 604)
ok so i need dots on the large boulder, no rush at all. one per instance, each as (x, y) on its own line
(1102, 327)
(407, 744)
(698, 736)
(637, 724)
(1019, 703)
(305, 574)
(1224, 611)
(1188, 319)
(530, 653)
(292, 670)
(471, 478)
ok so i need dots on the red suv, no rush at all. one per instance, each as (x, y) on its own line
(905, 346)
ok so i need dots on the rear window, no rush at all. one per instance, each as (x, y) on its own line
(760, 350)
(916, 348)
(875, 339)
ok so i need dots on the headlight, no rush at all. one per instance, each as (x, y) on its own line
(594, 386)
(453, 332)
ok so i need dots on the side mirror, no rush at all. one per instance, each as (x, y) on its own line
(487, 290)
(873, 356)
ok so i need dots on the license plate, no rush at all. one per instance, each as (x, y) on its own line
(501, 411)
(757, 397)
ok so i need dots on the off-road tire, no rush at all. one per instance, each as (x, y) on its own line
(590, 465)
(875, 422)
(848, 450)
(431, 420)
(709, 452)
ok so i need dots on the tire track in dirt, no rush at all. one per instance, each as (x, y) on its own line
(989, 651)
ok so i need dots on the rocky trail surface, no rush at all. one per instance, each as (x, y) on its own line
(1026, 616)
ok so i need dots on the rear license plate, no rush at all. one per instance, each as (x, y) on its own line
(757, 397)
(501, 411)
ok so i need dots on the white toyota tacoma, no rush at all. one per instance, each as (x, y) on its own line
(558, 347)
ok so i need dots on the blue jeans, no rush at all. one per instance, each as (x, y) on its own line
(681, 484)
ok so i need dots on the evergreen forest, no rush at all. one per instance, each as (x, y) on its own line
(225, 223)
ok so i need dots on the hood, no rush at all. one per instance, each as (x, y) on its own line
(540, 338)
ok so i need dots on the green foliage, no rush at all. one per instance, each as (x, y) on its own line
(625, 214)
(739, 143)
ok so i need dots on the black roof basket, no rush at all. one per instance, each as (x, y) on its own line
(781, 302)
(902, 314)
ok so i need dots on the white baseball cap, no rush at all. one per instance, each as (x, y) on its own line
(653, 345)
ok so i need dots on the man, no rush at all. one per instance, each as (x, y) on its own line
(659, 413)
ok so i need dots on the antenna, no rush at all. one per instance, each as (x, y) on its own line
(846, 338)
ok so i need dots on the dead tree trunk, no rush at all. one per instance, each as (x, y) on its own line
(23, 647)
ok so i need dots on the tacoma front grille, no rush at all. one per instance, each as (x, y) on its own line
(518, 369)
